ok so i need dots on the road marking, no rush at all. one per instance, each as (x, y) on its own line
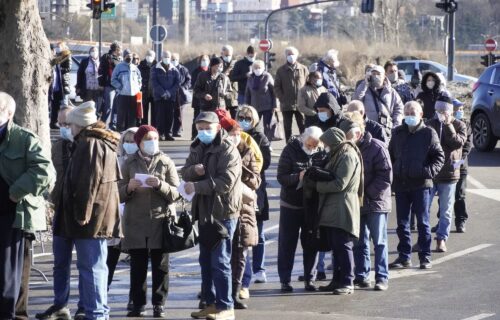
(475, 182)
(461, 253)
(493, 194)
(480, 316)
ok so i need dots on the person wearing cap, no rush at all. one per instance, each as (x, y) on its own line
(146, 207)
(452, 134)
(397, 79)
(329, 113)
(340, 214)
(241, 72)
(107, 64)
(26, 173)
(166, 81)
(382, 102)
(308, 95)
(374, 128)
(148, 105)
(213, 173)
(417, 157)
(213, 87)
(90, 201)
(328, 67)
(377, 203)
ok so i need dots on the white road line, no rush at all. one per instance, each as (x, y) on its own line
(480, 316)
(493, 194)
(475, 182)
(461, 253)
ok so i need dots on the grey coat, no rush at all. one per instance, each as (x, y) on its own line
(262, 98)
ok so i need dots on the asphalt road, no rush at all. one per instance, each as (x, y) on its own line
(463, 283)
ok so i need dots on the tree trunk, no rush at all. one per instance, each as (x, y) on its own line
(25, 64)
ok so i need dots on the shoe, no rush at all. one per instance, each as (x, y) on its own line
(362, 283)
(203, 314)
(222, 315)
(162, 138)
(461, 227)
(55, 313)
(260, 277)
(309, 286)
(400, 264)
(286, 287)
(435, 228)
(79, 314)
(415, 248)
(54, 126)
(425, 264)
(342, 291)
(381, 285)
(320, 276)
(413, 227)
(329, 267)
(158, 311)
(238, 304)
(177, 135)
(441, 246)
(329, 288)
(137, 312)
(301, 278)
(244, 293)
(169, 138)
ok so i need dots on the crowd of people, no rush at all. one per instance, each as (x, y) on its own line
(112, 192)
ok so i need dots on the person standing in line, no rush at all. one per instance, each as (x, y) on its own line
(148, 103)
(203, 63)
(183, 97)
(228, 63)
(260, 93)
(107, 64)
(87, 83)
(308, 95)
(61, 84)
(241, 71)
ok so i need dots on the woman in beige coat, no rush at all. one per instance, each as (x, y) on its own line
(146, 206)
(308, 95)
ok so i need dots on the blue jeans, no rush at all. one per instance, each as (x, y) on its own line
(241, 98)
(216, 278)
(109, 97)
(321, 262)
(372, 225)
(93, 277)
(62, 249)
(418, 202)
(446, 194)
(258, 257)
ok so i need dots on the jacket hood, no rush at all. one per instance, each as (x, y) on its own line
(424, 81)
(326, 99)
(333, 137)
(133, 130)
(98, 130)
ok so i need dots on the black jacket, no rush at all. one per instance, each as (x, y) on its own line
(194, 76)
(81, 77)
(429, 97)
(326, 99)
(417, 157)
(145, 69)
(466, 149)
(107, 64)
(376, 130)
(240, 74)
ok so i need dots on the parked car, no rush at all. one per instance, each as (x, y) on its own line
(485, 116)
(76, 59)
(409, 66)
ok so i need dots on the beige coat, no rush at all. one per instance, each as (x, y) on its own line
(289, 79)
(308, 95)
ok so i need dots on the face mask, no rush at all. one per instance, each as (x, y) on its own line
(227, 58)
(58, 50)
(441, 117)
(206, 136)
(204, 63)
(459, 115)
(376, 81)
(309, 152)
(128, 60)
(94, 54)
(336, 64)
(245, 125)
(220, 69)
(258, 72)
(291, 58)
(319, 83)
(149, 59)
(66, 133)
(251, 59)
(131, 148)
(175, 63)
(323, 116)
(327, 149)
(411, 121)
(392, 77)
(151, 147)
(236, 139)
(166, 61)
(430, 85)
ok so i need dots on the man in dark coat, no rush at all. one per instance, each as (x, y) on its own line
(184, 97)
(375, 129)
(146, 89)
(107, 64)
(241, 71)
(328, 111)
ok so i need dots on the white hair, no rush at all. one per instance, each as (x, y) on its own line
(228, 48)
(293, 50)
(7, 104)
(331, 54)
(415, 105)
(175, 56)
(258, 63)
(165, 53)
(312, 132)
(151, 53)
(443, 80)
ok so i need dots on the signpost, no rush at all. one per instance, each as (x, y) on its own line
(265, 45)
(109, 14)
(490, 45)
(158, 34)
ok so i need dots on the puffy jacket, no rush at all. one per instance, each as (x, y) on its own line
(126, 79)
(452, 137)
(145, 69)
(308, 95)
(107, 64)
(289, 79)
(219, 88)
(376, 130)
(331, 81)
(240, 74)
(262, 98)
(417, 157)
(219, 191)
(292, 161)
(430, 96)
(165, 83)
(184, 86)
(328, 100)
(377, 168)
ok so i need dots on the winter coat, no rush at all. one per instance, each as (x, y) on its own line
(262, 98)
(308, 95)
(81, 77)
(231, 99)
(429, 97)
(289, 79)
(61, 154)
(376, 131)
(184, 85)
(466, 149)
(219, 88)
(62, 64)
(145, 69)
(241, 71)
(219, 191)
(90, 190)
(126, 79)
(165, 83)
(328, 100)
(377, 168)
(388, 113)
(107, 64)
(331, 81)
(417, 157)
(146, 208)
(292, 161)
(26, 168)
(249, 141)
(404, 91)
(452, 137)
(194, 76)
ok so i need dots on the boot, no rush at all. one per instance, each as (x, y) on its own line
(441, 246)
(238, 304)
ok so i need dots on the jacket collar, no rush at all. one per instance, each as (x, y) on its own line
(6, 139)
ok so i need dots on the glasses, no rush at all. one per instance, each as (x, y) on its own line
(242, 118)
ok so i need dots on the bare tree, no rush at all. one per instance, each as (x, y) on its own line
(25, 60)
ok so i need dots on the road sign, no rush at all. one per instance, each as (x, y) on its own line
(265, 45)
(131, 10)
(490, 45)
(158, 34)
(109, 14)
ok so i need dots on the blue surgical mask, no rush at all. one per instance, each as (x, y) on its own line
(319, 83)
(323, 116)
(245, 125)
(151, 147)
(459, 115)
(207, 136)
(66, 133)
(166, 61)
(411, 121)
(130, 148)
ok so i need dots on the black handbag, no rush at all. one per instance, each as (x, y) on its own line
(212, 233)
(179, 235)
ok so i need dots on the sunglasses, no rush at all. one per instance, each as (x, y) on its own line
(241, 118)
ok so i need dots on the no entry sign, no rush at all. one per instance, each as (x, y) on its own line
(490, 45)
(265, 45)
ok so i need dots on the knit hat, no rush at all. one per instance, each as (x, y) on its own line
(225, 120)
(327, 100)
(215, 61)
(84, 115)
(443, 105)
(333, 137)
(142, 131)
(347, 124)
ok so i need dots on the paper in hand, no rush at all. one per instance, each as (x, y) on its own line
(182, 190)
(142, 178)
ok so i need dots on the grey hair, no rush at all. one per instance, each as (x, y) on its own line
(151, 53)
(356, 105)
(413, 104)
(7, 104)
(312, 132)
(228, 48)
(175, 56)
(255, 115)
(331, 54)
(258, 63)
(164, 54)
(293, 50)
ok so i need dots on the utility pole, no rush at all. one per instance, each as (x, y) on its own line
(156, 47)
(450, 7)
(184, 15)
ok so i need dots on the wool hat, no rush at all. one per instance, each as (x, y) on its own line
(347, 124)
(215, 61)
(207, 116)
(226, 121)
(443, 106)
(84, 115)
(327, 100)
(457, 103)
(142, 131)
(333, 137)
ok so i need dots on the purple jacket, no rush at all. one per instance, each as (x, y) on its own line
(377, 175)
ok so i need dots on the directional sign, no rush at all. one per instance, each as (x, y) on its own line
(265, 45)
(109, 14)
(158, 34)
(490, 45)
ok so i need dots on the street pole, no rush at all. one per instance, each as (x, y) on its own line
(156, 47)
(100, 37)
(451, 45)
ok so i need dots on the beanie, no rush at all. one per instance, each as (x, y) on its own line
(229, 124)
(142, 131)
(84, 115)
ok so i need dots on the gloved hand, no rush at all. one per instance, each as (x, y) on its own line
(319, 174)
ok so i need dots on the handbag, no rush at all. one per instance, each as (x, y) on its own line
(179, 235)
(275, 130)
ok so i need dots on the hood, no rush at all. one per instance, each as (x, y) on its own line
(333, 137)
(98, 130)
(327, 99)
(122, 152)
(424, 81)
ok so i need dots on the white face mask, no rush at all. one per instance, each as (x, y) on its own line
(441, 117)
(258, 72)
(251, 59)
(58, 50)
(175, 63)
(130, 148)
(291, 58)
(149, 59)
(3, 120)
(66, 133)
(236, 139)
(327, 149)
(151, 147)
(204, 63)
(94, 54)
(227, 58)
(309, 152)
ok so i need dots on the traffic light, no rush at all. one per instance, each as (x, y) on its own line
(489, 59)
(270, 60)
(367, 6)
(448, 6)
(99, 6)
